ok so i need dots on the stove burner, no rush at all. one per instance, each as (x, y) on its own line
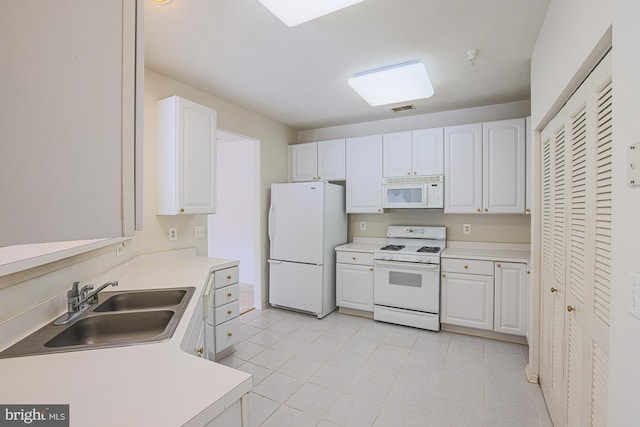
(429, 249)
(392, 248)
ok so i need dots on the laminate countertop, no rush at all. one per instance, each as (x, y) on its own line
(155, 384)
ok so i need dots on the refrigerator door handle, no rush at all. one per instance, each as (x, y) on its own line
(272, 261)
(270, 225)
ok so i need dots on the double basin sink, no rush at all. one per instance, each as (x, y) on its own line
(117, 319)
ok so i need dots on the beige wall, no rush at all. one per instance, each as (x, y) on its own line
(273, 136)
(567, 46)
(484, 228)
(624, 350)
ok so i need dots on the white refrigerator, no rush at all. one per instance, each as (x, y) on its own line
(307, 220)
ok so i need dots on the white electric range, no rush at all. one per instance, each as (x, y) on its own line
(406, 288)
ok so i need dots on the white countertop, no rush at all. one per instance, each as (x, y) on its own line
(504, 255)
(154, 384)
(359, 247)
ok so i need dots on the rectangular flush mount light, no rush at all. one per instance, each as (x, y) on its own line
(396, 83)
(294, 12)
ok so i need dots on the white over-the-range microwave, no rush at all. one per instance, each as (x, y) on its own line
(413, 192)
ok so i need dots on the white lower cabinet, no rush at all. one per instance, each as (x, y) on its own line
(510, 298)
(235, 415)
(467, 300)
(221, 313)
(484, 295)
(354, 280)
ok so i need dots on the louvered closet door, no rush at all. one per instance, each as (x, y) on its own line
(576, 253)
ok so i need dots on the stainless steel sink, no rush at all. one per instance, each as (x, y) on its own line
(119, 328)
(141, 300)
(118, 319)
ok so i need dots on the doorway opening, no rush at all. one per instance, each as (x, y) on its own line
(234, 230)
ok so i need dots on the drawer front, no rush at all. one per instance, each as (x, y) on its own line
(227, 334)
(226, 295)
(361, 258)
(225, 277)
(470, 266)
(227, 312)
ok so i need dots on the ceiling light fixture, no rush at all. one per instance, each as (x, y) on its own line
(396, 83)
(294, 12)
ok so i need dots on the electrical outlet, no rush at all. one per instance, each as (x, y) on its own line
(173, 233)
(119, 249)
(363, 225)
(466, 228)
(199, 232)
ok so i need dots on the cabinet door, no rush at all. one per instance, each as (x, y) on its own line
(186, 157)
(331, 160)
(304, 162)
(428, 151)
(354, 286)
(463, 169)
(364, 174)
(467, 300)
(197, 151)
(503, 168)
(510, 298)
(396, 154)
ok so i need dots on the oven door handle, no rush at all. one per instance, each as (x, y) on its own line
(424, 267)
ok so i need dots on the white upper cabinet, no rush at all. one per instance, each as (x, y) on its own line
(413, 153)
(364, 174)
(463, 169)
(318, 161)
(331, 160)
(396, 154)
(186, 157)
(304, 162)
(428, 151)
(485, 167)
(503, 168)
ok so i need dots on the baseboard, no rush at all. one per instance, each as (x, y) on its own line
(354, 312)
(484, 333)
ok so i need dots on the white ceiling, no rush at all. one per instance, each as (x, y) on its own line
(237, 50)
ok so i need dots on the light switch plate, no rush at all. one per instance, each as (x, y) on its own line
(633, 165)
(634, 298)
(199, 232)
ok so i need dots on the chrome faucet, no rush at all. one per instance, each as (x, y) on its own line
(80, 301)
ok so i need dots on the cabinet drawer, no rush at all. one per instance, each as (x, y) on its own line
(361, 258)
(227, 334)
(225, 277)
(470, 266)
(226, 295)
(227, 312)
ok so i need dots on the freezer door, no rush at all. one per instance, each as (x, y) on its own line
(297, 286)
(296, 222)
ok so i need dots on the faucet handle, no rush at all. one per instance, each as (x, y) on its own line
(85, 290)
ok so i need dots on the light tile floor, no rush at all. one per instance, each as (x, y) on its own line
(349, 371)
